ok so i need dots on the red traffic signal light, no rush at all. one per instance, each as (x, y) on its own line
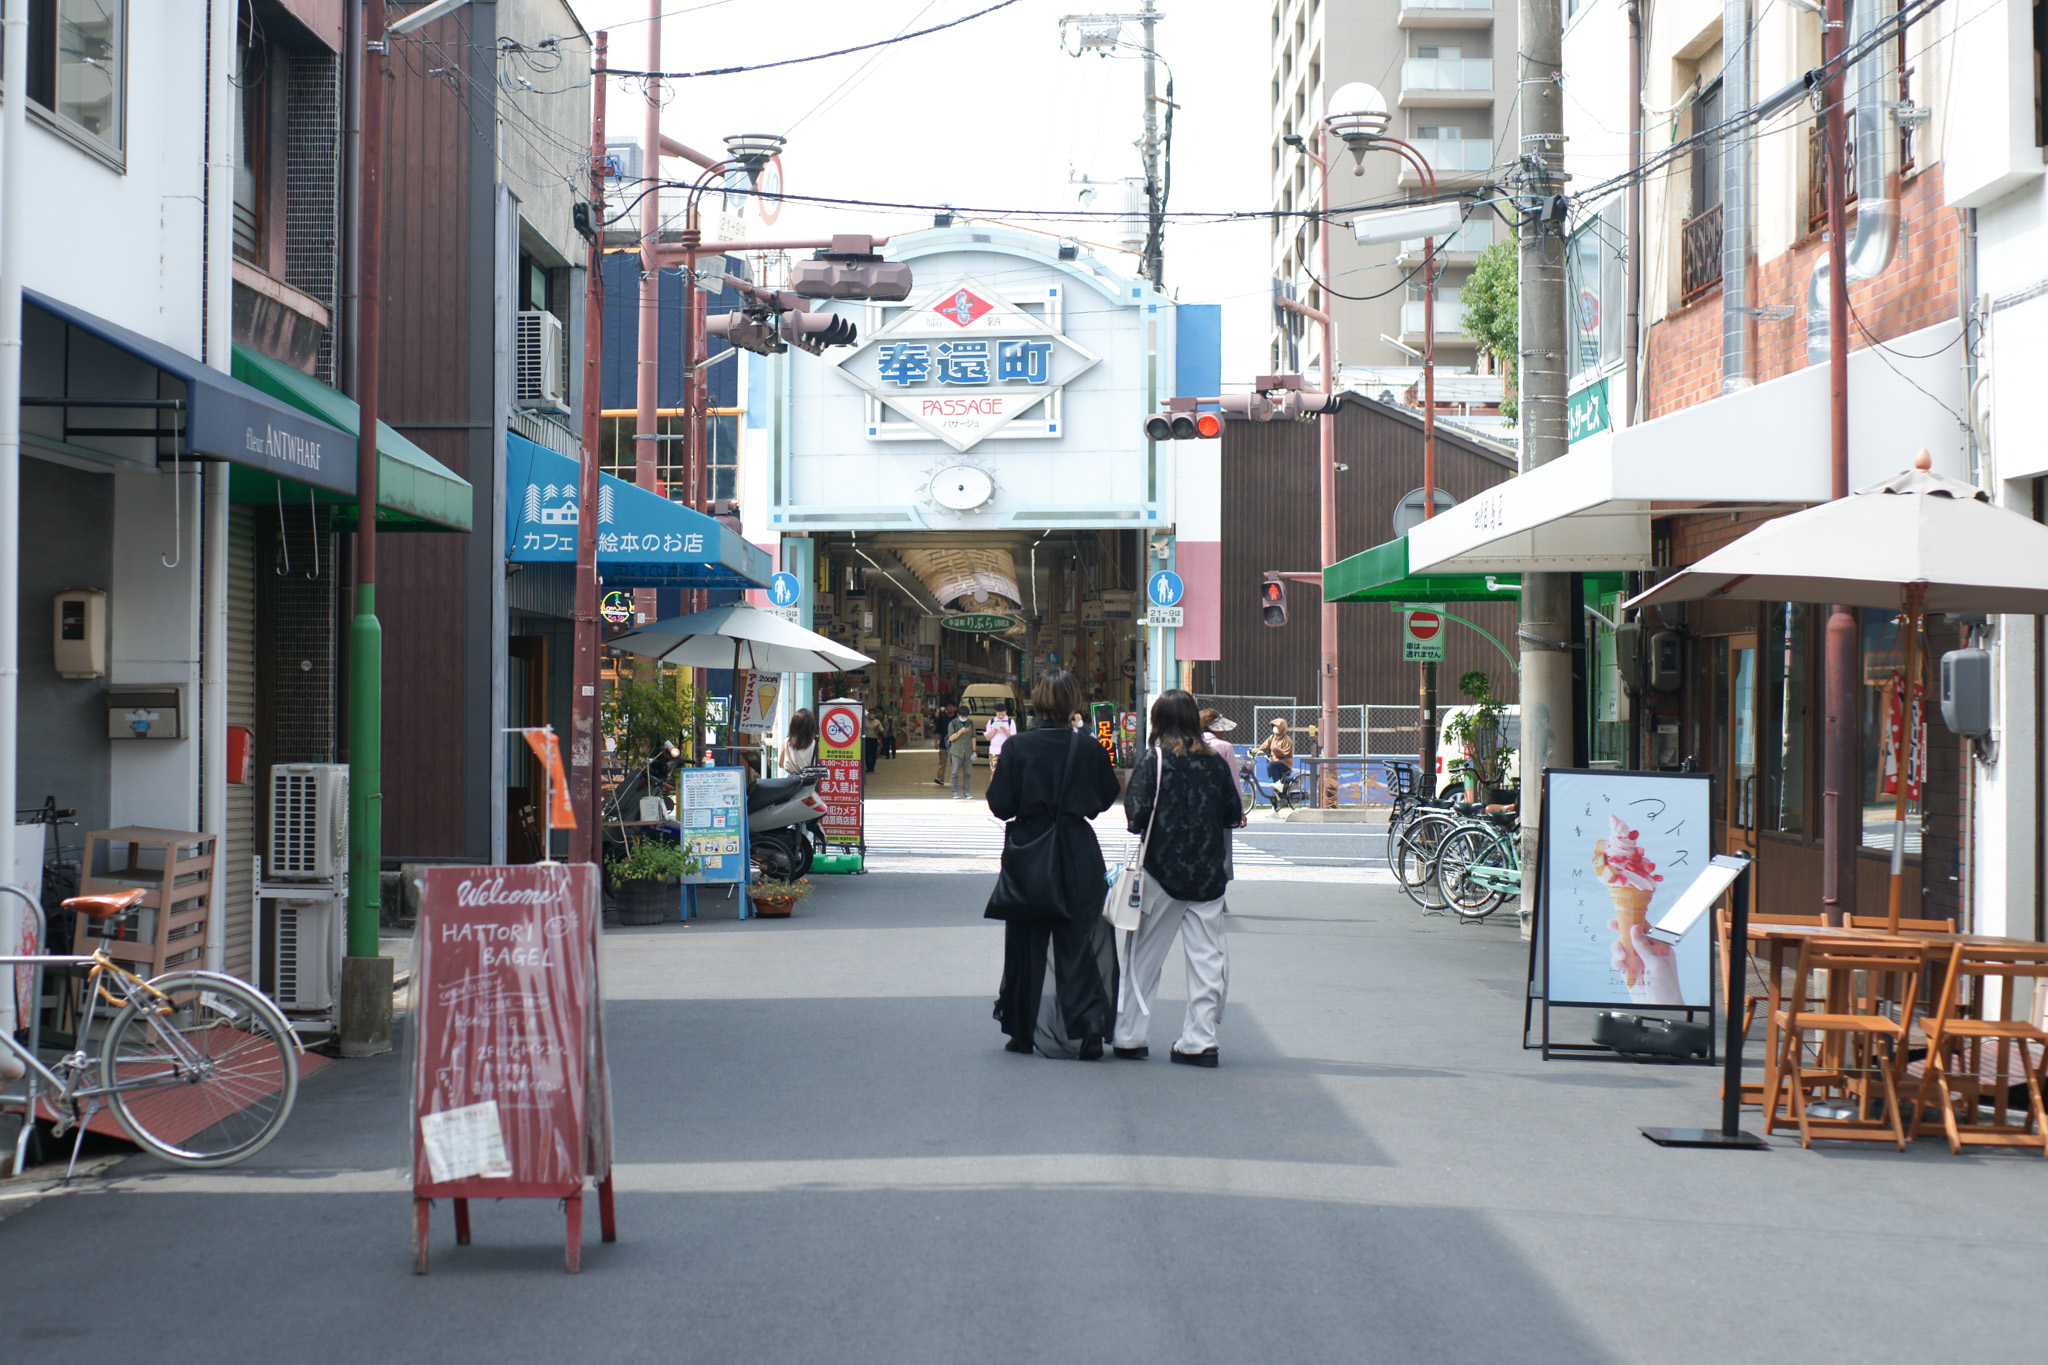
(1183, 425)
(1273, 600)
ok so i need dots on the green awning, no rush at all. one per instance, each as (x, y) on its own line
(414, 490)
(1381, 575)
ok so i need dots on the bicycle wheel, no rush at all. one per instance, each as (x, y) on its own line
(207, 1082)
(1398, 819)
(1414, 862)
(1460, 852)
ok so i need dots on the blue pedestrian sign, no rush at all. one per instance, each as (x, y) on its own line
(1164, 588)
(784, 589)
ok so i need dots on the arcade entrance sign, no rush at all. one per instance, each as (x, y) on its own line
(964, 362)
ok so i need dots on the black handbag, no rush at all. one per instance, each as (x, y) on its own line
(1030, 884)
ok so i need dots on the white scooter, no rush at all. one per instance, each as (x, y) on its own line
(782, 823)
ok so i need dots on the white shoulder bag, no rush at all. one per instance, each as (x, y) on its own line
(1126, 902)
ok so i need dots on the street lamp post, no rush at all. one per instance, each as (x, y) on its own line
(1358, 115)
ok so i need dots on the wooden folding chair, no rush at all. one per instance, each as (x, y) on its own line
(1882, 923)
(1867, 981)
(1752, 1091)
(1974, 1060)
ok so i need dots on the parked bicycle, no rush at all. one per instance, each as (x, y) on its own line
(198, 1067)
(1479, 863)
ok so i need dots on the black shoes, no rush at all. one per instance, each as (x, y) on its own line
(1206, 1057)
(1091, 1048)
(1017, 1045)
(1134, 1054)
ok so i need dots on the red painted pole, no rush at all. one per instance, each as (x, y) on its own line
(583, 745)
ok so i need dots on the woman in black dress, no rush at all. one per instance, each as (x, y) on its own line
(1051, 782)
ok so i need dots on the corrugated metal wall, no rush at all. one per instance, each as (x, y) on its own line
(1270, 521)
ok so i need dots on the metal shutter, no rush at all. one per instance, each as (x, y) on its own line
(239, 916)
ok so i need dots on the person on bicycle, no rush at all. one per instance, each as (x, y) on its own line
(1278, 747)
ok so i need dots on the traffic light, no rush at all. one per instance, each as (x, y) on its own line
(1281, 404)
(813, 332)
(1180, 422)
(1273, 600)
(750, 331)
(850, 269)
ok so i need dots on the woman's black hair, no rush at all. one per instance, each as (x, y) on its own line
(1177, 723)
(1056, 696)
(803, 728)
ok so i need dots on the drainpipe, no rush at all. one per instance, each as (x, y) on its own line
(1632, 328)
(222, 119)
(1876, 242)
(1738, 317)
(13, 141)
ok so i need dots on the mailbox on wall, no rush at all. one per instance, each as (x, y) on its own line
(145, 713)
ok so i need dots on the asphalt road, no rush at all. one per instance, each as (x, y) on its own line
(825, 1155)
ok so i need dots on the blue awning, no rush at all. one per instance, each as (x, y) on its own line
(643, 539)
(175, 404)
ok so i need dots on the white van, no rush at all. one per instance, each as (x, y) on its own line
(980, 700)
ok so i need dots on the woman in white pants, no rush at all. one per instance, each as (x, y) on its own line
(1187, 795)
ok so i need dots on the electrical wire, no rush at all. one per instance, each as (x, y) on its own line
(818, 57)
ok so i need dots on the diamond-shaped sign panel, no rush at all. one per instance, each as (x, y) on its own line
(962, 363)
(963, 307)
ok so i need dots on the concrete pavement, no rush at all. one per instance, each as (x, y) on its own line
(826, 1155)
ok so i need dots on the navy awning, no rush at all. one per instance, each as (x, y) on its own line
(643, 539)
(87, 383)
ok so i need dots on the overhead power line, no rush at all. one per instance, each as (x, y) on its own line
(819, 57)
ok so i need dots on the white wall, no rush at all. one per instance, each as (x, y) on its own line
(154, 639)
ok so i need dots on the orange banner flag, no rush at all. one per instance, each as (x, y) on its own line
(548, 749)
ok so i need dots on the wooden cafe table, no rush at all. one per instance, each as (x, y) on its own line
(1780, 945)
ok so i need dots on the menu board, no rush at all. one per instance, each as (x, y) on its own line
(1619, 849)
(840, 727)
(510, 1095)
(712, 805)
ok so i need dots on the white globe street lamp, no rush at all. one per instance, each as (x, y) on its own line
(1358, 114)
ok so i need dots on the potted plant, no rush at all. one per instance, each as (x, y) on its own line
(648, 880)
(775, 899)
(1481, 732)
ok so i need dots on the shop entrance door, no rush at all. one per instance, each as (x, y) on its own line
(1735, 742)
(526, 703)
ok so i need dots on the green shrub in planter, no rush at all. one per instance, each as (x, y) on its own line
(647, 880)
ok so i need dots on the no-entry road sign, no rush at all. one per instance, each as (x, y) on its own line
(1422, 634)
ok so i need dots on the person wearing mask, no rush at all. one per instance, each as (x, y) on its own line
(800, 745)
(1052, 782)
(1278, 747)
(1185, 793)
(960, 754)
(999, 729)
(941, 719)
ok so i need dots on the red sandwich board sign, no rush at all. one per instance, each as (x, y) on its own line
(1422, 634)
(511, 1092)
(840, 727)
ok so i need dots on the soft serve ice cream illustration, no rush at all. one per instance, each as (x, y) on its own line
(1631, 881)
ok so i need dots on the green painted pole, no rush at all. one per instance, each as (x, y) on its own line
(365, 773)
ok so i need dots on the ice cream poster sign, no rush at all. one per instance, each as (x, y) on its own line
(1619, 850)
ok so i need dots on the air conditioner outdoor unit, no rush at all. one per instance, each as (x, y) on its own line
(543, 362)
(305, 955)
(308, 820)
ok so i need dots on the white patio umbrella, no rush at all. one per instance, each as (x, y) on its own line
(1915, 541)
(736, 637)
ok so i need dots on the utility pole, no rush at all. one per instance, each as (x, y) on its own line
(1547, 611)
(583, 746)
(647, 372)
(1839, 837)
(366, 977)
(1155, 205)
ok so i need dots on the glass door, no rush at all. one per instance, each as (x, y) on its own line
(1736, 736)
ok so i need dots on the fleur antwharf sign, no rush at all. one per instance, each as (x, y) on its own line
(965, 362)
